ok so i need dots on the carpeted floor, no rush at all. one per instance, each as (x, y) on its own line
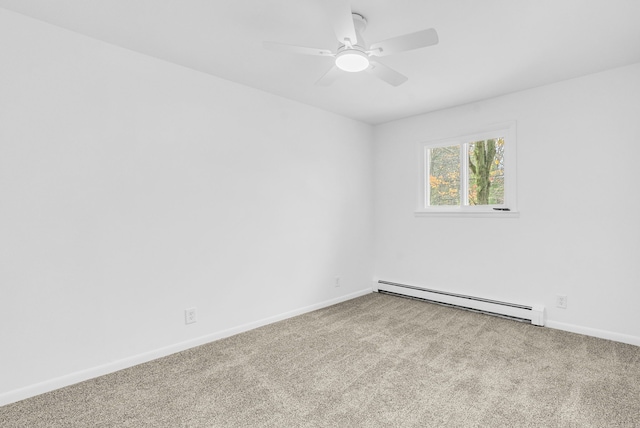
(375, 361)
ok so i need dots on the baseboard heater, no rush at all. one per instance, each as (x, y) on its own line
(533, 314)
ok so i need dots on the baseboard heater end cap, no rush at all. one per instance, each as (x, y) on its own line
(539, 315)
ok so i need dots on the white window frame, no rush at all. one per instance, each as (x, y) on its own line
(508, 209)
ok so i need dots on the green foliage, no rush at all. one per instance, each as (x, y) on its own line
(486, 172)
(444, 176)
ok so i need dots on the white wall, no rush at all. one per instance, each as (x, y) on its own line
(131, 189)
(578, 233)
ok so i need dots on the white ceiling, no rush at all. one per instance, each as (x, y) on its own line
(487, 47)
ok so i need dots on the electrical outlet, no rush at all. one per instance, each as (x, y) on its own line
(561, 301)
(190, 316)
(337, 281)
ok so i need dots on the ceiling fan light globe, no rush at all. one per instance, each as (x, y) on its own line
(352, 61)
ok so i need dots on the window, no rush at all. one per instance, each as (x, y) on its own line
(470, 175)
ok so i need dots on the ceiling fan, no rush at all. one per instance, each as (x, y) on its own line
(354, 54)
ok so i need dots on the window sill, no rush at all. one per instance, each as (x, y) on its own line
(471, 214)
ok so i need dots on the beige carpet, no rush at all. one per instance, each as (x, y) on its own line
(375, 361)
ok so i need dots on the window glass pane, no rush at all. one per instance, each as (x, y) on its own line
(486, 172)
(444, 175)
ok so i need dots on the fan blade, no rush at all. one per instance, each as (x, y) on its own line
(281, 47)
(417, 40)
(342, 18)
(329, 77)
(387, 74)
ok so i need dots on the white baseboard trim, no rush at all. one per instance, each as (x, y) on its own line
(587, 331)
(82, 375)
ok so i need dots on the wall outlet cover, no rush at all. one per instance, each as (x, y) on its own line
(190, 316)
(561, 301)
